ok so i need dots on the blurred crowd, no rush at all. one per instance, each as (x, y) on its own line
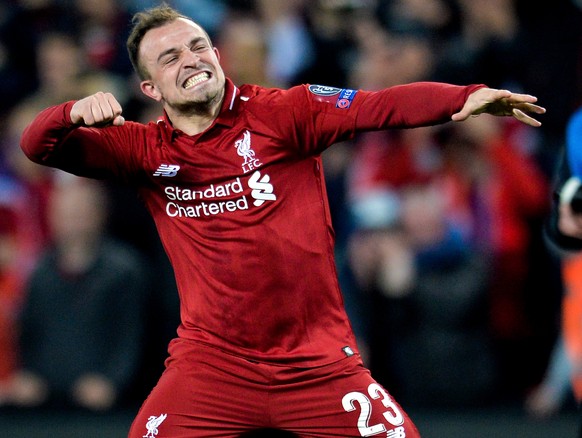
(454, 297)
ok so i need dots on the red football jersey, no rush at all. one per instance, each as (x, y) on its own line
(242, 209)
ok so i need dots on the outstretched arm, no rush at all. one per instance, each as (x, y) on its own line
(500, 103)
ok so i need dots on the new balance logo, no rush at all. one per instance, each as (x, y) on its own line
(167, 170)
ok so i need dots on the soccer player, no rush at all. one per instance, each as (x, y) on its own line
(232, 176)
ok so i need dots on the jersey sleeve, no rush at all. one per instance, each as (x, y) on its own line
(412, 105)
(326, 115)
(51, 139)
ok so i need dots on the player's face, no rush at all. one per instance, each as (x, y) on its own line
(184, 68)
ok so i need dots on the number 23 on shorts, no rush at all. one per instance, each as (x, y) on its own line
(392, 414)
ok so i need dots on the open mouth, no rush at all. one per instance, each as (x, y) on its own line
(196, 79)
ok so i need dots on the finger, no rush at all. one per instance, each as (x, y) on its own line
(110, 106)
(96, 114)
(531, 108)
(118, 121)
(521, 98)
(103, 110)
(87, 115)
(461, 115)
(501, 94)
(114, 104)
(524, 118)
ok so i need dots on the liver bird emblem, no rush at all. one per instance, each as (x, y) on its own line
(153, 424)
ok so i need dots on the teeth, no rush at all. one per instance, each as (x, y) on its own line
(200, 77)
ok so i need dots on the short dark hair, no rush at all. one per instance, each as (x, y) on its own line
(145, 21)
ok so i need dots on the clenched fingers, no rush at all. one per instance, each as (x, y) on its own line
(98, 109)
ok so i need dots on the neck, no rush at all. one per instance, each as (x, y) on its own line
(194, 118)
(191, 124)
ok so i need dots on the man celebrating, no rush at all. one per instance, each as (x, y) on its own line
(233, 179)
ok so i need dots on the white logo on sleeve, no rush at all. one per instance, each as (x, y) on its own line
(262, 189)
(153, 424)
(167, 170)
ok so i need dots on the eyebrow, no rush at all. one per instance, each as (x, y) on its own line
(172, 50)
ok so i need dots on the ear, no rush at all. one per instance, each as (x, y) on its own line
(150, 90)
(216, 53)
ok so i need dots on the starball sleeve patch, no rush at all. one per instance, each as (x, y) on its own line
(341, 97)
(324, 90)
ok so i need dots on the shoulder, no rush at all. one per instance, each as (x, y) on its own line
(271, 95)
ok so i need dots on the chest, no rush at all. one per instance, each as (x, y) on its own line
(214, 157)
(235, 175)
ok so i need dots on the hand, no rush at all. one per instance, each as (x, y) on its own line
(97, 110)
(94, 392)
(500, 103)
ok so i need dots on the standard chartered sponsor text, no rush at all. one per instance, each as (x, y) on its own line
(214, 206)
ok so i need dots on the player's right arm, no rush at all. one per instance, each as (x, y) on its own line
(88, 137)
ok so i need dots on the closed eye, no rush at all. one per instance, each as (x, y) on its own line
(199, 48)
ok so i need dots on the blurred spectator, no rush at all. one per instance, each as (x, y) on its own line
(552, 35)
(18, 35)
(487, 48)
(60, 77)
(435, 19)
(386, 59)
(289, 44)
(391, 158)
(429, 337)
(82, 322)
(102, 27)
(331, 26)
(10, 299)
(572, 320)
(374, 214)
(25, 189)
(64, 76)
(497, 194)
(563, 232)
(244, 49)
(555, 390)
(210, 14)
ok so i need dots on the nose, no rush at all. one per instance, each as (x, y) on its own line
(189, 56)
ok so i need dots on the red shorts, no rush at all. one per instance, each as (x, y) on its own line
(205, 392)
